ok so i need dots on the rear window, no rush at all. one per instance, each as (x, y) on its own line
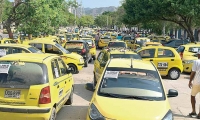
(134, 56)
(22, 74)
(181, 49)
(74, 45)
(116, 44)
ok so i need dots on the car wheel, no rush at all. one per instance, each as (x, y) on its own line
(53, 114)
(94, 82)
(91, 59)
(174, 74)
(86, 64)
(73, 68)
(70, 100)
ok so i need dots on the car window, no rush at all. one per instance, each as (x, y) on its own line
(55, 69)
(62, 49)
(127, 38)
(194, 49)
(134, 56)
(100, 56)
(178, 42)
(62, 67)
(181, 49)
(165, 53)
(147, 53)
(74, 45)
(34, 50)
(37, 45)
(19, 50)
(22, 74)
(127, 83)
(51, 49)
(116, 44)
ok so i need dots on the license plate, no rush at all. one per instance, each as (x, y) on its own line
(12, 94)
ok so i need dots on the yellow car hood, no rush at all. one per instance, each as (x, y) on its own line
(130, 109)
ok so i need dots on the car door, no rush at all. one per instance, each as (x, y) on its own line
(147, 54)
(58, 84)
(97, 67)
(5, 51)
(165, 58)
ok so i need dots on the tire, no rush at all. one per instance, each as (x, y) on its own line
(94, 82)
(70, 100)
(86, 64)
(174, 74)
(53, 114)
(91, 59)
(73, 68)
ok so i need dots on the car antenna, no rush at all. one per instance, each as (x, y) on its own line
(131, 63)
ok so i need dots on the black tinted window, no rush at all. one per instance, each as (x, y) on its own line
(180, 49)
(22, 74)
(37, 45)
(116, 44)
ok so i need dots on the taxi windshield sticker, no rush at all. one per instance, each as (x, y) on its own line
(111, 74)
(2, 52)
(74, 45)
(4, 68)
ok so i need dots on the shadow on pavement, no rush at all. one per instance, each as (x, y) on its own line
(72, 113)
(182, 116)
(81, 91)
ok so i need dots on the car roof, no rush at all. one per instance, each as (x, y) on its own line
(126, 63)
(28, 57)
(15, 45)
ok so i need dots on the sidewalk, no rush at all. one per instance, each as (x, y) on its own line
(181, 105)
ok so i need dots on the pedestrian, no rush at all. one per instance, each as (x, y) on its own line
(194, 84)
(97, 39)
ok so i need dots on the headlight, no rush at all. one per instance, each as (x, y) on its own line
(81, 60)
(168, 116)
(188, 61)
(94, 113)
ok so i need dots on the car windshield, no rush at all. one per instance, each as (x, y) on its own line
(74, 45)
(62, 49)
(22, 74)
(116, 44)
(131, 83)
(134, 56)
(34, 50)
(90, 42)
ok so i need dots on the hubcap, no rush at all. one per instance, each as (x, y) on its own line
(72, 69)
(174, 74)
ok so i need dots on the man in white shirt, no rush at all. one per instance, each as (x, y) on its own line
(194, 83)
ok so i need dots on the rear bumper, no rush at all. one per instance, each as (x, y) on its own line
(24, 113)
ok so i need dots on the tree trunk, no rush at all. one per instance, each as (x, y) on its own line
(10, 34)
(30, 36)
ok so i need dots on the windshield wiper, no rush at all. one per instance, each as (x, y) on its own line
(110, 95)
(139, 98)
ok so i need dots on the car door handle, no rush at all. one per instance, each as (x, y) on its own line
(172, 59)
(151, 59)
(65, 82)
(58, 86)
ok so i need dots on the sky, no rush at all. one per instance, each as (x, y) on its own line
(99, 3)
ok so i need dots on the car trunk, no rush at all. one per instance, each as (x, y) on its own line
(21, 83)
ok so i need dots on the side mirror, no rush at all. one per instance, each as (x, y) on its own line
(103, 64)
(89, 86)
(172, 93)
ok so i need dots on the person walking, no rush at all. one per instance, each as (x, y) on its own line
(97, 39)
(194, 84)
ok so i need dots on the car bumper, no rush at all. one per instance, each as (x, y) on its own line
(187, 67)
(24, 113)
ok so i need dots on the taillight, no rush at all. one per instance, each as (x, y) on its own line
(83, 51)
(181, 55)
(45, 96)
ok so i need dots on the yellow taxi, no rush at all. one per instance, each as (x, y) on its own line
(92, 46)
(166, 38)
(111, 34)
(103, 41)
(166, 59)
(34, 86)
(129, 41)
(153, 44)
(73, 60)
(69, 36)
(127, 90)
(188, 62)
(188, 50)
(75, 36)
(7, 41)
(107, 54)
(6, 49)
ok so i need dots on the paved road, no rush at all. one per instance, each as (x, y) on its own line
(77, 111)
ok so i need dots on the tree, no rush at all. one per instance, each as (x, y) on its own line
(185, 13)
(85, 21)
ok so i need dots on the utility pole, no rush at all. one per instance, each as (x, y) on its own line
(107, 22)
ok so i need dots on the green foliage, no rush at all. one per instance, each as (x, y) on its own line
(185, 13)
(85, 21)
